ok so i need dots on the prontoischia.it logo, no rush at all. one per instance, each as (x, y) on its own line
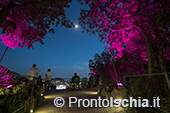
(131, 102)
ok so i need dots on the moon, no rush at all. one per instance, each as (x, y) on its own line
(76, 26)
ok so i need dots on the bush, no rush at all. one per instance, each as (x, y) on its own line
(19, 96)
(147, 88)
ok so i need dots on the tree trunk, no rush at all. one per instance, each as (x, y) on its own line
(114, 68)
(3, 54)
(161, 59)
(149, 51)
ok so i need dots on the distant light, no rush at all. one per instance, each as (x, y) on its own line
(76, 26)
(41, 94)
(60, 86)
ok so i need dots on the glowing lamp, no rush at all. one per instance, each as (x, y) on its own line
(119, 84)
(31, 111)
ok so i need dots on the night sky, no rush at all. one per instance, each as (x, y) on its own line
(65, 52)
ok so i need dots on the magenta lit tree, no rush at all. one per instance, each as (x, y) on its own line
(24, 22)
(128, 26)
(102, 66)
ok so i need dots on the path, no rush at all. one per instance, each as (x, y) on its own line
(85, 94)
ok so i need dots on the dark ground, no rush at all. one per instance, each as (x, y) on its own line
(85, 94)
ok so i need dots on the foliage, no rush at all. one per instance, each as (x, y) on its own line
(131, 26)
(6, 78)
(19, 96)
(12, 102)
(102, 66)
(147, 89)
(165, 102)
(24, 22)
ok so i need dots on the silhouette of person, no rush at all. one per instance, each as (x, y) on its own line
(39, 81)
(48, 79)
(74, 78)
(34, 72)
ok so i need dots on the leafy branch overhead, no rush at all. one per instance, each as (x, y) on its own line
(24, 22)
(128, 26)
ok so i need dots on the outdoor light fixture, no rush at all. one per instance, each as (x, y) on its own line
(119, 84)
(31, 111)
(9, 86)
(41, 94)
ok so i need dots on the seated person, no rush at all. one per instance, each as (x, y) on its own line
(74, 80)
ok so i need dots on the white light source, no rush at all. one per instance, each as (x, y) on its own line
(41, 94)
(76, 26)
(31, 111)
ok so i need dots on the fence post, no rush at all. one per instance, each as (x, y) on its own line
(32, 91)
(167, 80)
(125, 80)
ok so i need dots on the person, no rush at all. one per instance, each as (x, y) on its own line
(73, 80)
(39, 81)
(34, 72)
(48, 79)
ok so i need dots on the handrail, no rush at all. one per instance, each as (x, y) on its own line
(146, 74)
(166, 77)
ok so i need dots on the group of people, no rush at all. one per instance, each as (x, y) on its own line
(35, 71)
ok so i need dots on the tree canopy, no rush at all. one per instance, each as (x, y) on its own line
(128, 26)
(106, 67)
(24, 22)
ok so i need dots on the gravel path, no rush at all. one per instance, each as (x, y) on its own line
(85, 94)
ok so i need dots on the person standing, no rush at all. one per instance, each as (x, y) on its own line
(34, 72)
(48, 79)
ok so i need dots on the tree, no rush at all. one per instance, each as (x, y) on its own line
(24, 22)
(102, 66)
(128, 26)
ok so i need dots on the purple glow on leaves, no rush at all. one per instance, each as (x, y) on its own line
(6, 79)
(126, 29)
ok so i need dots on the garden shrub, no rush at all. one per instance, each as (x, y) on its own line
(147, 88)
(19, 96)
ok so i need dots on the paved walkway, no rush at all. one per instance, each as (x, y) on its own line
(85, 94)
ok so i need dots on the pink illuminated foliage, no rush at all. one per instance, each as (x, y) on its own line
(102, 66)
(24, 22)
(6, 79)
(129, 26)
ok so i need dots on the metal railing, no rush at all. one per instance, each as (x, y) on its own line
(149, 75)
